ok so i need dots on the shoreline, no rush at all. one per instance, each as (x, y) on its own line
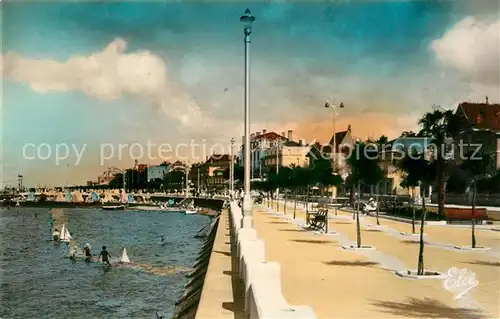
(207, 207)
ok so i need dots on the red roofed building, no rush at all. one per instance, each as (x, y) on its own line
(480, 125)
(260, 143)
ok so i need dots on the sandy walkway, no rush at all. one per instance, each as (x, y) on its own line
(311, 273)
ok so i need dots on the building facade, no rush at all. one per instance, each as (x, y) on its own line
(108, 175)
(344, 144)
(289, 153)
(157, 172)
(260, 144)
(480, 126)
(390, 158)
(213, 172)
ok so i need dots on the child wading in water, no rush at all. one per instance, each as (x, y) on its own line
(87, 252)
(105, 256)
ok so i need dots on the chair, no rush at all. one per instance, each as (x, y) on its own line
(317, 220)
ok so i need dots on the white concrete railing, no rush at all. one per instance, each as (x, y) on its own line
(263, 295)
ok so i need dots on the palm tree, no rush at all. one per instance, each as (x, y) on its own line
(438, 126)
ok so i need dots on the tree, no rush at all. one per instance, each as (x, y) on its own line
(458, 181)
(408, 134)
(155, 184)
(438, 126)
(285, 182)
(116, 182)
(273, 183)
(239, 173)
(174, 180)
(365, 168)
(304, 179)
(408, 185)
(419, 172)
(323, 174)
(477, 166)
(374, 173)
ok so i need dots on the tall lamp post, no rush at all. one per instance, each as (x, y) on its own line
(277, 172)
(187, 169)
(247, 19)
(334, 147)
(231, 171)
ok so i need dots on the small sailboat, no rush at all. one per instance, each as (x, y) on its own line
(124, 258)
(65, 235)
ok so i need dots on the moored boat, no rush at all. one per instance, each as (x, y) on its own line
(113, 207)
(191, 212)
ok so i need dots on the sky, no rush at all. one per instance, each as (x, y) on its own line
(81, 78)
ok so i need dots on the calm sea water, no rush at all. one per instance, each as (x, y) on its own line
(38, 281)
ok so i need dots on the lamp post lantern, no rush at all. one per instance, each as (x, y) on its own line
(231, 172)
(247, 19)
(334, 146)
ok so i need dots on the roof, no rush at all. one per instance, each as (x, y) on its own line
(482, 115)
(339, 137)
(318, 151)
(220, 158)
(268, 136)
(410, 144)
(291, 143)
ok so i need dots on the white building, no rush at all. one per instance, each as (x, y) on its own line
(155, 172)
(260, 143)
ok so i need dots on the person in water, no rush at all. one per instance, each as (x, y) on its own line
(105, 256)
(162, 238)
(56, 234)
(51, 222)
(72, 253)
(87, 252)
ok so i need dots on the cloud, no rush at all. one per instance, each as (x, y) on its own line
(471, 47)
(109, 75)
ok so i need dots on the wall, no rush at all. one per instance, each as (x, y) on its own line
(294, 155)
(262, 279)
(462, 199)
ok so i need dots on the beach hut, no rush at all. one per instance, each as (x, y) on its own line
(131, 198)
(68, 196)
(94, 197)
(76, 197)
(60, 197)
(108, 198)
(124, 197)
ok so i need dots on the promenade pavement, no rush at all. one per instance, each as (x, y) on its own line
(223, 291)
(339, 283)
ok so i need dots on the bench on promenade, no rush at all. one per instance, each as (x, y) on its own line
(317, 219)
(465, 213)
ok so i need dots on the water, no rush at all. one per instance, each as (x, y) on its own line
(37, 281)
